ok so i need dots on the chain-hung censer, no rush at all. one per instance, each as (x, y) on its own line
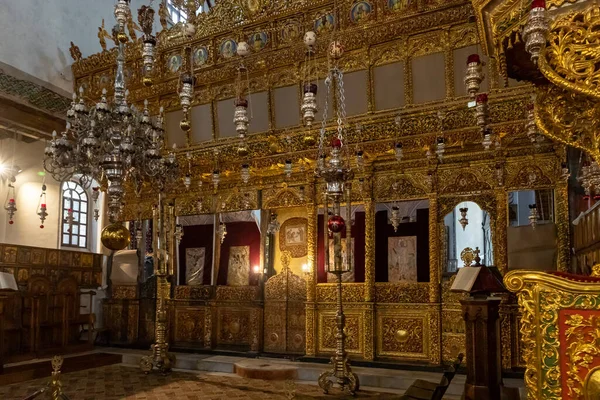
(336, 172)
(112, 141)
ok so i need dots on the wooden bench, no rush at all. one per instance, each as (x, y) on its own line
(427, 390)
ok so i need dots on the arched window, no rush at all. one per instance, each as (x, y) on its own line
(75, 204)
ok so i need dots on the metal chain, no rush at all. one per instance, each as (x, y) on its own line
(325, 114)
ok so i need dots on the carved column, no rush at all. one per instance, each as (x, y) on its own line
(369, 313)
(448, 65)
(311, 284)
(369, 250)
(434, 263)
(561, 195)
(492, 73)
(482, 338)
(500, 241)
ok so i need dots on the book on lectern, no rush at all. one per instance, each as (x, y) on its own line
(477, 280)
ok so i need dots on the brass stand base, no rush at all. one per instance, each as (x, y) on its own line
(340, 374)
(160, 359)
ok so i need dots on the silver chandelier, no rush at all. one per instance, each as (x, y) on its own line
(111, 140)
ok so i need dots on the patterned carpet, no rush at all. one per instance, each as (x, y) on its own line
(122, 382)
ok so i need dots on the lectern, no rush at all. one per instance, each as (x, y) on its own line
(482, 327)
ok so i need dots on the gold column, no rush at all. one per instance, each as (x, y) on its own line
(408, 84)
(434, 263)
(493, 73)
(311, 314)
(369, 250)
(448, 65)
(500, 241)
(562, 225)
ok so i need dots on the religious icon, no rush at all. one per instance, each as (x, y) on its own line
(238, 271)
(290, 32)
(398, 5)
(293, 237)
(360, 12)
(174, 63)
(228, 48)
(346, 276)
(324, 24)
(402, 258)
(200, 56)
(258, 41)
(194, 265)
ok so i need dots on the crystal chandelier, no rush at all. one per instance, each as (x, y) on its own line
(111, 140)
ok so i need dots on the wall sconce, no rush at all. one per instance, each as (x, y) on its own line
(398, 151)
(256, 269)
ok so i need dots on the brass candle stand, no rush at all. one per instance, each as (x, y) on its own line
(337, 175)
(164, 244)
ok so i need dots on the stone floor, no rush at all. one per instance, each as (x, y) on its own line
(126, 382)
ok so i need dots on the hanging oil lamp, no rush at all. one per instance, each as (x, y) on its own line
(95, 195)
(487, 139)
(178, 233)
(464, 221)
(360, 160)
(440, 148)
(240, 117)
(146, 20)
(216, 178)
(222, 232)
(287, 169)
(398, 152)
(474, 74)
(534, 216)
(69, 219)
(41, 210)
(481, 110)
(395, 219)
(245, 173)
(11, 206)
(536, 29)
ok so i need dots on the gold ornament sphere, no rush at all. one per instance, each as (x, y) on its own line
(309, 140)
(185, 125)
(122, 37)
(115, 236)
(401, 335)
(242, 151)
(147, 81)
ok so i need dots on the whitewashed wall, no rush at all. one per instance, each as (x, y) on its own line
(26, 228)
(37, 35)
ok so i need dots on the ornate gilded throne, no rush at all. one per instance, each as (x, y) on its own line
(560, 328)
